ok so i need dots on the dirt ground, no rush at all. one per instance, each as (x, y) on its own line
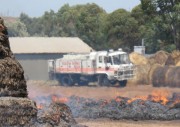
(45, 88)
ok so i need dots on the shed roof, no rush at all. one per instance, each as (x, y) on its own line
(24, 45)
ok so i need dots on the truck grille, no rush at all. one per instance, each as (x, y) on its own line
(125, 74)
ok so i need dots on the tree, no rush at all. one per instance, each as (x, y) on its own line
(122, 30)
(89, 24)
(168, 18)
(17, 28)
(66, 18)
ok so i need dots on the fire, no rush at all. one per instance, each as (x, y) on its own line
(40, 106)
(159, 96)
(137, 97)
(59, 99)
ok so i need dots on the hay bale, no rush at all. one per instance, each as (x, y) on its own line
(141, 74)
(166, 76)
(173, 77)
(178, 63)
(138, 59)
(12, 81)
(151, 71)
(17, 112)
(159, 57)
(173, 58)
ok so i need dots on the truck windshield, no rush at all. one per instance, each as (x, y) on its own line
(120, 59)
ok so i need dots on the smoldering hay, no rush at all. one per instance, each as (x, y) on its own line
(151, 107)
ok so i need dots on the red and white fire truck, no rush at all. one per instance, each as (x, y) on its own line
(104, 67)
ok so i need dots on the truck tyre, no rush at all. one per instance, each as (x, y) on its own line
(103, 80)
(123, 83)
(66, 81)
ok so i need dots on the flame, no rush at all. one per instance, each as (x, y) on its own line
(137, 97)
(160, 96)
(40, 106)
(59, 99)
(117, 99)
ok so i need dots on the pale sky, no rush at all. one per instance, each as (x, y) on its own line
(36, 8)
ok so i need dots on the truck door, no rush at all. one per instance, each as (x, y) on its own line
(101, 63)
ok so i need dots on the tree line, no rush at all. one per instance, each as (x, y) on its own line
(155, 21)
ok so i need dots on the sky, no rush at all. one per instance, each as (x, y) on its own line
(36, 8)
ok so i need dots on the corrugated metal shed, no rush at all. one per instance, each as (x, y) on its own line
(33, 45)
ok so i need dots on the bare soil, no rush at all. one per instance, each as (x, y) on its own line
(46, 88)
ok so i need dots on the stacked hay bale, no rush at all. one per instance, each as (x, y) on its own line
(166, 76)
(15, 108)
(169, 74)
(161, 69)
(173, 58)
(142, 68)
(159, 57)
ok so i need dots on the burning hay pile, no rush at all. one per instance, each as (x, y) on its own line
(152, 107)
(161, 69)
(16, 110)
(56, 114)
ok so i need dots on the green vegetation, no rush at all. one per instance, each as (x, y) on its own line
(157, 21)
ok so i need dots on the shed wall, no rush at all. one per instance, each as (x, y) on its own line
(35, 65)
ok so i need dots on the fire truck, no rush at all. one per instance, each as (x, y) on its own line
(106, 68)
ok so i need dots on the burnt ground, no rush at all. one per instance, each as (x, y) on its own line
(41, 88)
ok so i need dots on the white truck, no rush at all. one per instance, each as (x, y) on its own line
(104, 67)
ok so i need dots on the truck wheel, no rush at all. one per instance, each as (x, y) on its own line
(123, 83)
(66, 81)
(106, 81)
(103, 80)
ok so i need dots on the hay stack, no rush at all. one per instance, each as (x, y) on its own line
(174, 58)
(178, 63)
(12, 81)
(166, 76)
(17, 112)
(141, 74)
(56, 114)
(138, 59)
(151, 71)
(159, 58)
(141, 69)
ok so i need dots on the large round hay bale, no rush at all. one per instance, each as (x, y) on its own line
(138, 59)
(173, 77)
(141, 74)
(159, 57)
(166, 76)
(173, 58)
(178, 63)
(151, 71)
